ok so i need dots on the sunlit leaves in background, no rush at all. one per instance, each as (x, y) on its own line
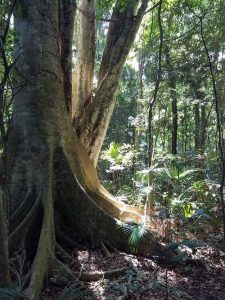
(187, 183)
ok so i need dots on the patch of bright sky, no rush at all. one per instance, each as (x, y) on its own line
(132, 59)
(221, 56)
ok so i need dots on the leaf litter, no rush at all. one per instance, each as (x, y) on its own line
(201, 277)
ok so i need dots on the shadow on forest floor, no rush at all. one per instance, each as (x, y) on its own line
(200, 278)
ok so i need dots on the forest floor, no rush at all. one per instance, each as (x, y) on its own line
(200, 275)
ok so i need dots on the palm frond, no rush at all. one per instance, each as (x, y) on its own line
(189, 172)
(134, 231)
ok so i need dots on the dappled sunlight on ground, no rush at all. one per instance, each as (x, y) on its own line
(201, 276)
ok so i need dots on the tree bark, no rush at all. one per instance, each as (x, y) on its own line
(54, 192)
(92, 123)
(4, 260)
(84, 72)
(5, 72)
(66, 24)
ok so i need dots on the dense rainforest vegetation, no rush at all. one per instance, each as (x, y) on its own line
(112, 155)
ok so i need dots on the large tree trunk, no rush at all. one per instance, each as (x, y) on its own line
(92, 123)
(54, 192)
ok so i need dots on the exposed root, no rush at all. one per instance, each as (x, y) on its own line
(20, 209)
(60, 273)
(46, 243)
(63, 237)
(66, 274)
(105, 250)
(85, 172)
(80, 218)
(83, 212)
(18, 235)
(62, 254)
(114, 207)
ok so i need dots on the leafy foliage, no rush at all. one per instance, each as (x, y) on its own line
(134, 232)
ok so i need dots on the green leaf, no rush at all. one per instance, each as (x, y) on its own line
(134, 231)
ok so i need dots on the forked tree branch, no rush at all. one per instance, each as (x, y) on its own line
(112, 20)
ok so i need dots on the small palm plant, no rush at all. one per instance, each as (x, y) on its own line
(135, 232)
